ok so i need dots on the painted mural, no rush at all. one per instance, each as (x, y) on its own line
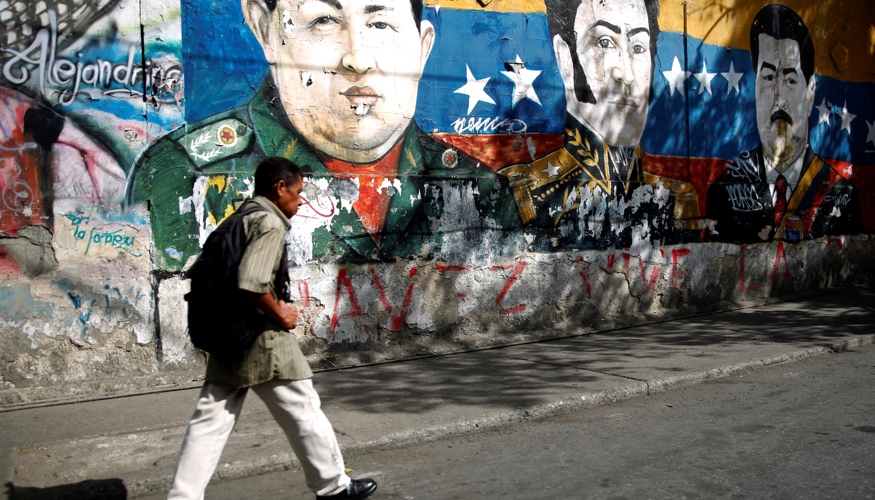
(471, 165)
(339, 99)
(782, 189)
(85, 87)
(80, 102)
(500, 169)
(594, 191)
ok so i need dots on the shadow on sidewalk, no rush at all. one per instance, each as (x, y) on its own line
(105, 489)
(511, 377)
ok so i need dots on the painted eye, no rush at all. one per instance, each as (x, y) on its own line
(606, 43)
(324, 21)
(380, 25)
(638, 49)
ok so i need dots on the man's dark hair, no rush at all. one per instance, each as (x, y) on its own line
(560, 19)
(781, 23)
(415, 7)
(275, 169)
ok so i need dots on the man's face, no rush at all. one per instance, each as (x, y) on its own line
(347, 71)
(783, 99)
(289, 197)
(613, 46)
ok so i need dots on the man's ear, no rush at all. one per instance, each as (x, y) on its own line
(564, 61)
(260, 20)
(809, 92)
(275, 191)
(426, 40)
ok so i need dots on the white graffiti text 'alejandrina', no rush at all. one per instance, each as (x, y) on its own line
(69, 76)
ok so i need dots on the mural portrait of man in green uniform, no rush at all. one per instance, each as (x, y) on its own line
(339, 99)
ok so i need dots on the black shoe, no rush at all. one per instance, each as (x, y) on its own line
(356, 490)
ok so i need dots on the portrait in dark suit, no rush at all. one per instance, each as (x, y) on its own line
(781, 189)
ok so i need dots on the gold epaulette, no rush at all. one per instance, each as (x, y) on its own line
(533, 182)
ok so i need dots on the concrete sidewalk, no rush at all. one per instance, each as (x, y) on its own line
(128, 446)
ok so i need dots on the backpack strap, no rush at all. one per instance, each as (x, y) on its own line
(281, 281)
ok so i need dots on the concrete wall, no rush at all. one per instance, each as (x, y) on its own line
(475, 180)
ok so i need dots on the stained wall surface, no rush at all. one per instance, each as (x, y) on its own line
(477, 172)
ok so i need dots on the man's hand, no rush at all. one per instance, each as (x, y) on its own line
(284, 314)
(288, 314)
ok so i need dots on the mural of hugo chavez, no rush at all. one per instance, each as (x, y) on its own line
(339, 99)
(781, 190)
(594, 192)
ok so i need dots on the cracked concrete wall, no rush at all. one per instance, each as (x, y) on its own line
(114, 169)
(80, 101)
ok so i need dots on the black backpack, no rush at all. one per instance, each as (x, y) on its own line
(221, 319)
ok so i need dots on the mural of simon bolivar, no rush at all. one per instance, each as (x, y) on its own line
(595, 191)
(339, 99)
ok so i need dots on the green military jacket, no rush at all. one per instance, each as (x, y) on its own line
(194, 177)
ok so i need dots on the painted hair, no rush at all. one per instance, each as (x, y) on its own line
(560, 19)
(782, 23)
(274, 169)
(415, 7)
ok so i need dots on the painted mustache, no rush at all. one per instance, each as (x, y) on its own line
(781, 115)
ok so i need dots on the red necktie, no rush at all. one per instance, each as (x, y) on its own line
(781, 201)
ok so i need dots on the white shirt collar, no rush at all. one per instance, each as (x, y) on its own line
(791, 174)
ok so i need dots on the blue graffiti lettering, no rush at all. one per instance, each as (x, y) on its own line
(101, 237)
(111, 238)
(76, 221)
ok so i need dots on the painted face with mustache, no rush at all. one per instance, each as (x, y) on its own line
(784, 101)
(347, 71)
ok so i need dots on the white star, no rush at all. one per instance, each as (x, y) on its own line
(676, 77)
(824, 111)
(847, 117)
(733, 78)
(474, 90)
(551, 169)
(871, 136)
(704, 79)
(522, 81)
(848, 171)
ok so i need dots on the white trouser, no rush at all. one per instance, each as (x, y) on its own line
(294, 404)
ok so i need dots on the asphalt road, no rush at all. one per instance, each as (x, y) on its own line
(800, 430)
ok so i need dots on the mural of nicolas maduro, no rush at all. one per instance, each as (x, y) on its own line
(781, 189)
(594, 192)
(339, 99)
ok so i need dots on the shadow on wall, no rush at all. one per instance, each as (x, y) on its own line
(525, 370)
(105, 489)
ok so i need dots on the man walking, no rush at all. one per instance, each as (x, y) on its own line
(273, 366)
